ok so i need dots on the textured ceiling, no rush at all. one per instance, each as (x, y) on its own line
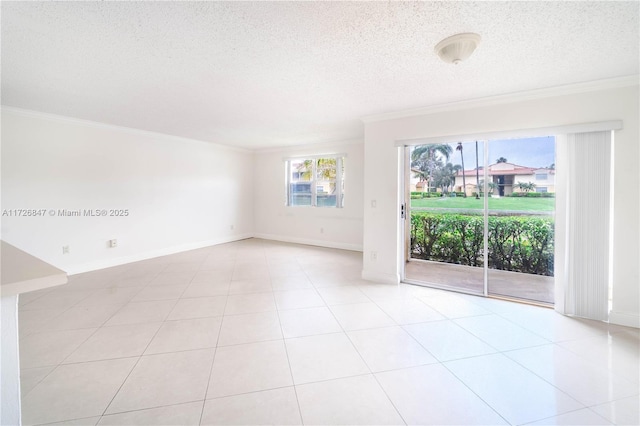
(270, 74)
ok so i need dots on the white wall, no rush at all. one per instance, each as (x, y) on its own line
(9, 362)
(181, 194)
(342, 228)
(381, 231)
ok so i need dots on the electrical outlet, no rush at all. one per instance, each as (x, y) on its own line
(322, 230)
(231, 227)
(65, 249)
(374, 256)
(374, 204)
(113, 243)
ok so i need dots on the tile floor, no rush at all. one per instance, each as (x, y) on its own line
(258, 332)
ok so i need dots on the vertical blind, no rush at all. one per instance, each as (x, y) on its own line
(587, 182)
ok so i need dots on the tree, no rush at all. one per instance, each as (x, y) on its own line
(464, 180)
(424, 160)
(526, 187)
(501, 160)
(430, 151)
(490, 185)
(305, 169)
(445, 177)
(552, 166)
(325, 170)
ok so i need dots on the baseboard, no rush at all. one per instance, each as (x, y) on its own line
(623, 318)
(381, 277)
(310, 242)
(108, 263)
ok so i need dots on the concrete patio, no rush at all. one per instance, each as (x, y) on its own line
(517, 285)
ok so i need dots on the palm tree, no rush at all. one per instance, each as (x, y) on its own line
(431, 149)
(464, 180)
(444, 177)
(305, 169)
(526, 187)
(491, 186)
(501, 160)
(424, 160)
(325, 170)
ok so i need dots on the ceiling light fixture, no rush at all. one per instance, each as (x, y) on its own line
(457, 48)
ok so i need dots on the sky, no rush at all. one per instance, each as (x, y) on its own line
(528, 152)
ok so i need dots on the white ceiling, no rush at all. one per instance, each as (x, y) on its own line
(269, 74)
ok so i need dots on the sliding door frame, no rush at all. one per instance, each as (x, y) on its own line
(405, 222)
(559, 132)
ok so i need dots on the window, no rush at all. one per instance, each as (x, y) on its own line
(541, 176)
(315, 181)
(541, 189)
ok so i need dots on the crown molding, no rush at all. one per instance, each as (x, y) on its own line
(310, 146)
(122, 129)
(570, 89)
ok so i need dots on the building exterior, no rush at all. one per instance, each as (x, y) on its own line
(506, 177)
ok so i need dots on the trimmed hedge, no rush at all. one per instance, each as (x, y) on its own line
(532, 194)
(516, 243)
(418, 195)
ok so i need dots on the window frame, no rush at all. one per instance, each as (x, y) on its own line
(314, 182)
(545, 174)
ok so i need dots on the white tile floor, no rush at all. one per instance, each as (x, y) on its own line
(258, 332)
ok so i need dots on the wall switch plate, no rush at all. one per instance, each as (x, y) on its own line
(65, 249)
(113, 243)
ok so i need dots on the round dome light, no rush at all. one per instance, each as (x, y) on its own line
(457, 48)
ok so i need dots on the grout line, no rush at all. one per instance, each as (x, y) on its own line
(53, 367)
(333, 379)
(68, 420)
(150, 408)
(249, 392)
(215, 353)
(61, 363)
(474, 392)
(286, 351)
(371, 372)
(604, 420)
(260, 252)
(206, 391)
(138, 361)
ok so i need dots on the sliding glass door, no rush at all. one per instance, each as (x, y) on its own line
(480, 217)
(447, 216)
(521, 209)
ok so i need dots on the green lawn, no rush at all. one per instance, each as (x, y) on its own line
(505, 203)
